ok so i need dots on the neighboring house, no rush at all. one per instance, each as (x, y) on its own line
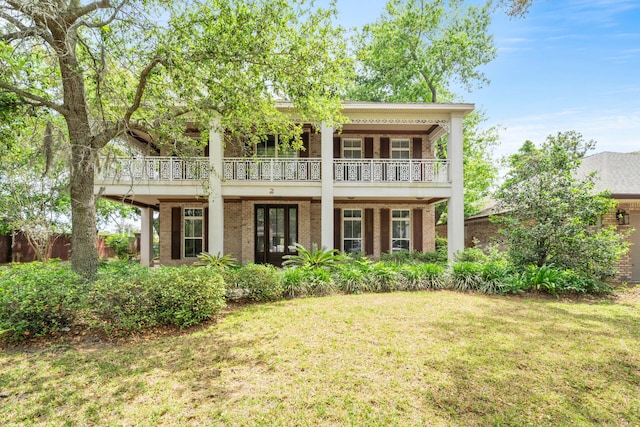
(370, 188)
(618, 173)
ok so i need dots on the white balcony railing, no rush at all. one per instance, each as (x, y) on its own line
(128, 169)
(132, 169)
(271, 169)
(385, 170)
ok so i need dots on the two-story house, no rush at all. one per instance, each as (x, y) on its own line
(369, 188)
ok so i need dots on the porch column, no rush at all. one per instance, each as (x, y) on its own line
(327, 185)
(455, 205)
(146, 236)
(216, 203)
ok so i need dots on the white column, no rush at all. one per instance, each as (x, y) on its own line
(216, 203)
(327, 186)
(455, 211)
(146, 236)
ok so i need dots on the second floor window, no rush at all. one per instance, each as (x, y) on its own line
(352, 148)
(271, 147)
(400, 149)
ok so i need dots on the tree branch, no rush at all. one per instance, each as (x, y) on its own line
(103, 138)
(85, 10)
(24, 32)
(142, 83)
(108, 21)
(38, 99)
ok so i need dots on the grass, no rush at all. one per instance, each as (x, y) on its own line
(426, 358)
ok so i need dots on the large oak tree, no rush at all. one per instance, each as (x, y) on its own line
(109, 66)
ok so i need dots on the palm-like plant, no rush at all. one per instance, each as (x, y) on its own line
(322, 258)
(218, 261)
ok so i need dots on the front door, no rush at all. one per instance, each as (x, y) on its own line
(276, 229)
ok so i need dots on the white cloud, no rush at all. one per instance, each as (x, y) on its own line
(617, 131)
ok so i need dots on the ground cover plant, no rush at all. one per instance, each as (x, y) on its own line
(406, 358)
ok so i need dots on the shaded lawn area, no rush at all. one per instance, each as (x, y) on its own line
(426, 358)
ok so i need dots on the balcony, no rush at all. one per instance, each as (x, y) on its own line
(264, 170)
(271, 169)
(388, 171)
(137, 169)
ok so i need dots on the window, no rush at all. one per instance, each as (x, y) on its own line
(352, 230)
(193, 232)
(400, 149)
(400, 230)
(352, 148)
(271, 146)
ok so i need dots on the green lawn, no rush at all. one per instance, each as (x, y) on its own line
(428, 358)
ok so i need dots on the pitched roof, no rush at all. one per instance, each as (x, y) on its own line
(617, 172)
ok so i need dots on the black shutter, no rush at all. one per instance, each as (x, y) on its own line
(368, 148)
(384, 147)
(385, 239)
(336, 147)
(176, 232)
(368, 231)
(416, 224)
(206, 229)
(417, 148)
(337, 228)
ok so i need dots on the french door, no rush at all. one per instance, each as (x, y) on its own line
(276, 229)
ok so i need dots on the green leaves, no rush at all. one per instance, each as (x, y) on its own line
(322, 258)
(551, 216)
(418, 48)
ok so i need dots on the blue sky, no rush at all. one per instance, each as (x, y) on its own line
(567, 65)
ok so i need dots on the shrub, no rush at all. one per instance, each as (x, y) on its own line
(383, 277)
(120, 243)
(466, 276)
(411, 257)
(187, 295)
(496, 278)
(553, 280)
(178, 296)
(318, 281)
(38, 299)
(124, 300)
(471, 255)
(351, 279)
(424, 276)
(258, 282)
(573, 281)
(545, 278)
(294, 282)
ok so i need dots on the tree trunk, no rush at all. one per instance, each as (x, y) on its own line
(84, 254)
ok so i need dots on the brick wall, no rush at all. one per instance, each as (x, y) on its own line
(233, 236)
